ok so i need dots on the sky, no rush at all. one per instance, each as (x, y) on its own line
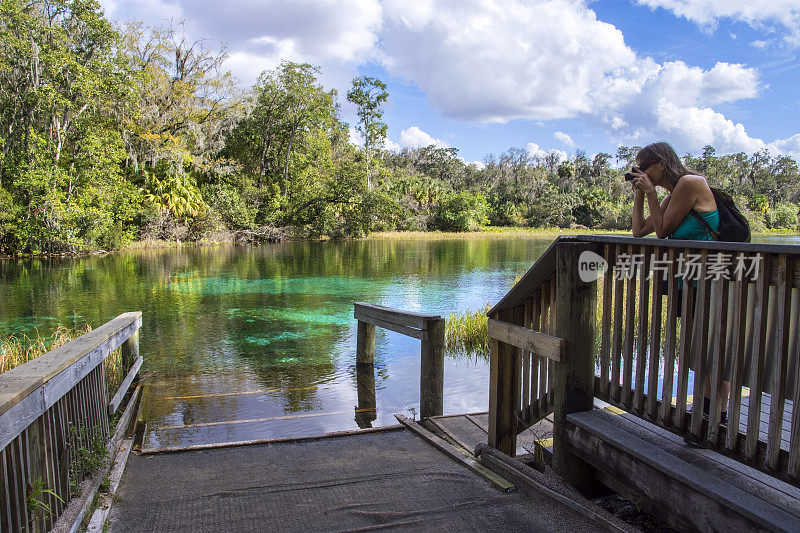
(541, 75)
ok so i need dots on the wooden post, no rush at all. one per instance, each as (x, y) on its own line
(129, 352)
(431, 383)
(504, 385)
(574, 376)
(366, 410)
(365, 344)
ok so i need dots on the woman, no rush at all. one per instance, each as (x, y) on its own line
(659, 165)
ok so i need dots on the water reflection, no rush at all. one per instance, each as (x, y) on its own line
(243, 343)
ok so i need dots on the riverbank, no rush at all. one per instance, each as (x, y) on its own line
(514, 232)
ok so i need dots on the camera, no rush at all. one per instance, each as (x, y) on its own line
(630, 175)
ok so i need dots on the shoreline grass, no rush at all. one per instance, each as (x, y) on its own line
(16, 350)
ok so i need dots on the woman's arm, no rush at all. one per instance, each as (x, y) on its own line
(644, 226)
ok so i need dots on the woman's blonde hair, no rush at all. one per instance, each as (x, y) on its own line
(664, 153)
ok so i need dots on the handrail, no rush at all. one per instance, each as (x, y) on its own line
(426, 327)
(50, 408)
(745, 330)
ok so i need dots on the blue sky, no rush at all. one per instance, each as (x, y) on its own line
(484, 76)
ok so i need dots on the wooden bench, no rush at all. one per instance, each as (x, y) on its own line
(690, 488)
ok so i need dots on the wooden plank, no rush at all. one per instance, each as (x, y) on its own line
(718, 355)
(19, 416)
(5, 494)
(394, 316)
(644, 317)
(700, 369)
(535, 360)
(123, 388)
(684, 350)
(794, 430)
(464, 457)
(616, 337)
(781, 335)
(526, 359)
(526, 339)
(654, 470)
(672, 323)
(405, 330)
(630, 321)
(543, 360)
(737, 353)
(655, 346)
(759, 347)
(605, 339)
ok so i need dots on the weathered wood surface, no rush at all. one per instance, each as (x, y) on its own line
(113, 405)
(431, 382)
(51, 407)
(688, 491)
(410, 319)
(574, 376)
(420, 334)
(365, 343)
(526, 339)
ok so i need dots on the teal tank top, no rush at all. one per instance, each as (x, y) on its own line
(692, 229)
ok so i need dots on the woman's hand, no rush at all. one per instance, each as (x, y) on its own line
(643, 183)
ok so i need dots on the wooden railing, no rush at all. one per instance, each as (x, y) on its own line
(53, 411)
(427, 328)
(640, 351)
(523, 352)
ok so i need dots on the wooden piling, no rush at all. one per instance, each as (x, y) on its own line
(365, 344)
(431, 384)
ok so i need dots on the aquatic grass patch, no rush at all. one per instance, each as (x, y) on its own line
(467, 333)
(17, 349)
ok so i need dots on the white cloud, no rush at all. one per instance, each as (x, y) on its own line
(758, 14)
(759, 44)
(494, 60)
(534, 150)
(790, 146)
(336, 35)
(564, 139)
(391, 146)
(414, 137)
(491, 61)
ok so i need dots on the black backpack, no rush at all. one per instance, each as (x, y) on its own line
(733, 226)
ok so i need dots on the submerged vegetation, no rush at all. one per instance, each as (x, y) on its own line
(113, 135)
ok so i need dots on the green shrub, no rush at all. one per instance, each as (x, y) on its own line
(462, 211)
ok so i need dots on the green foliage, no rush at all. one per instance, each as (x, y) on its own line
(782, 216)
(462, 211)
(90, 454)
(110, 136)
(35, 492)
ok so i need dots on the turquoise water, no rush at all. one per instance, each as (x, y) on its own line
(246, 343)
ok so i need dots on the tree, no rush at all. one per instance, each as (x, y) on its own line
(368, 94)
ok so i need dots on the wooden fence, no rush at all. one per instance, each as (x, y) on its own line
(54, 410)
(642, 335)
(427, 328)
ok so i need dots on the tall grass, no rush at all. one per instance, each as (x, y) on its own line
(16, 350)
(467, 333)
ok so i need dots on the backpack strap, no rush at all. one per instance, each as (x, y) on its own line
(706, 225)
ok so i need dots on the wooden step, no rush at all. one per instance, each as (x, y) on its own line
(680, 485)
